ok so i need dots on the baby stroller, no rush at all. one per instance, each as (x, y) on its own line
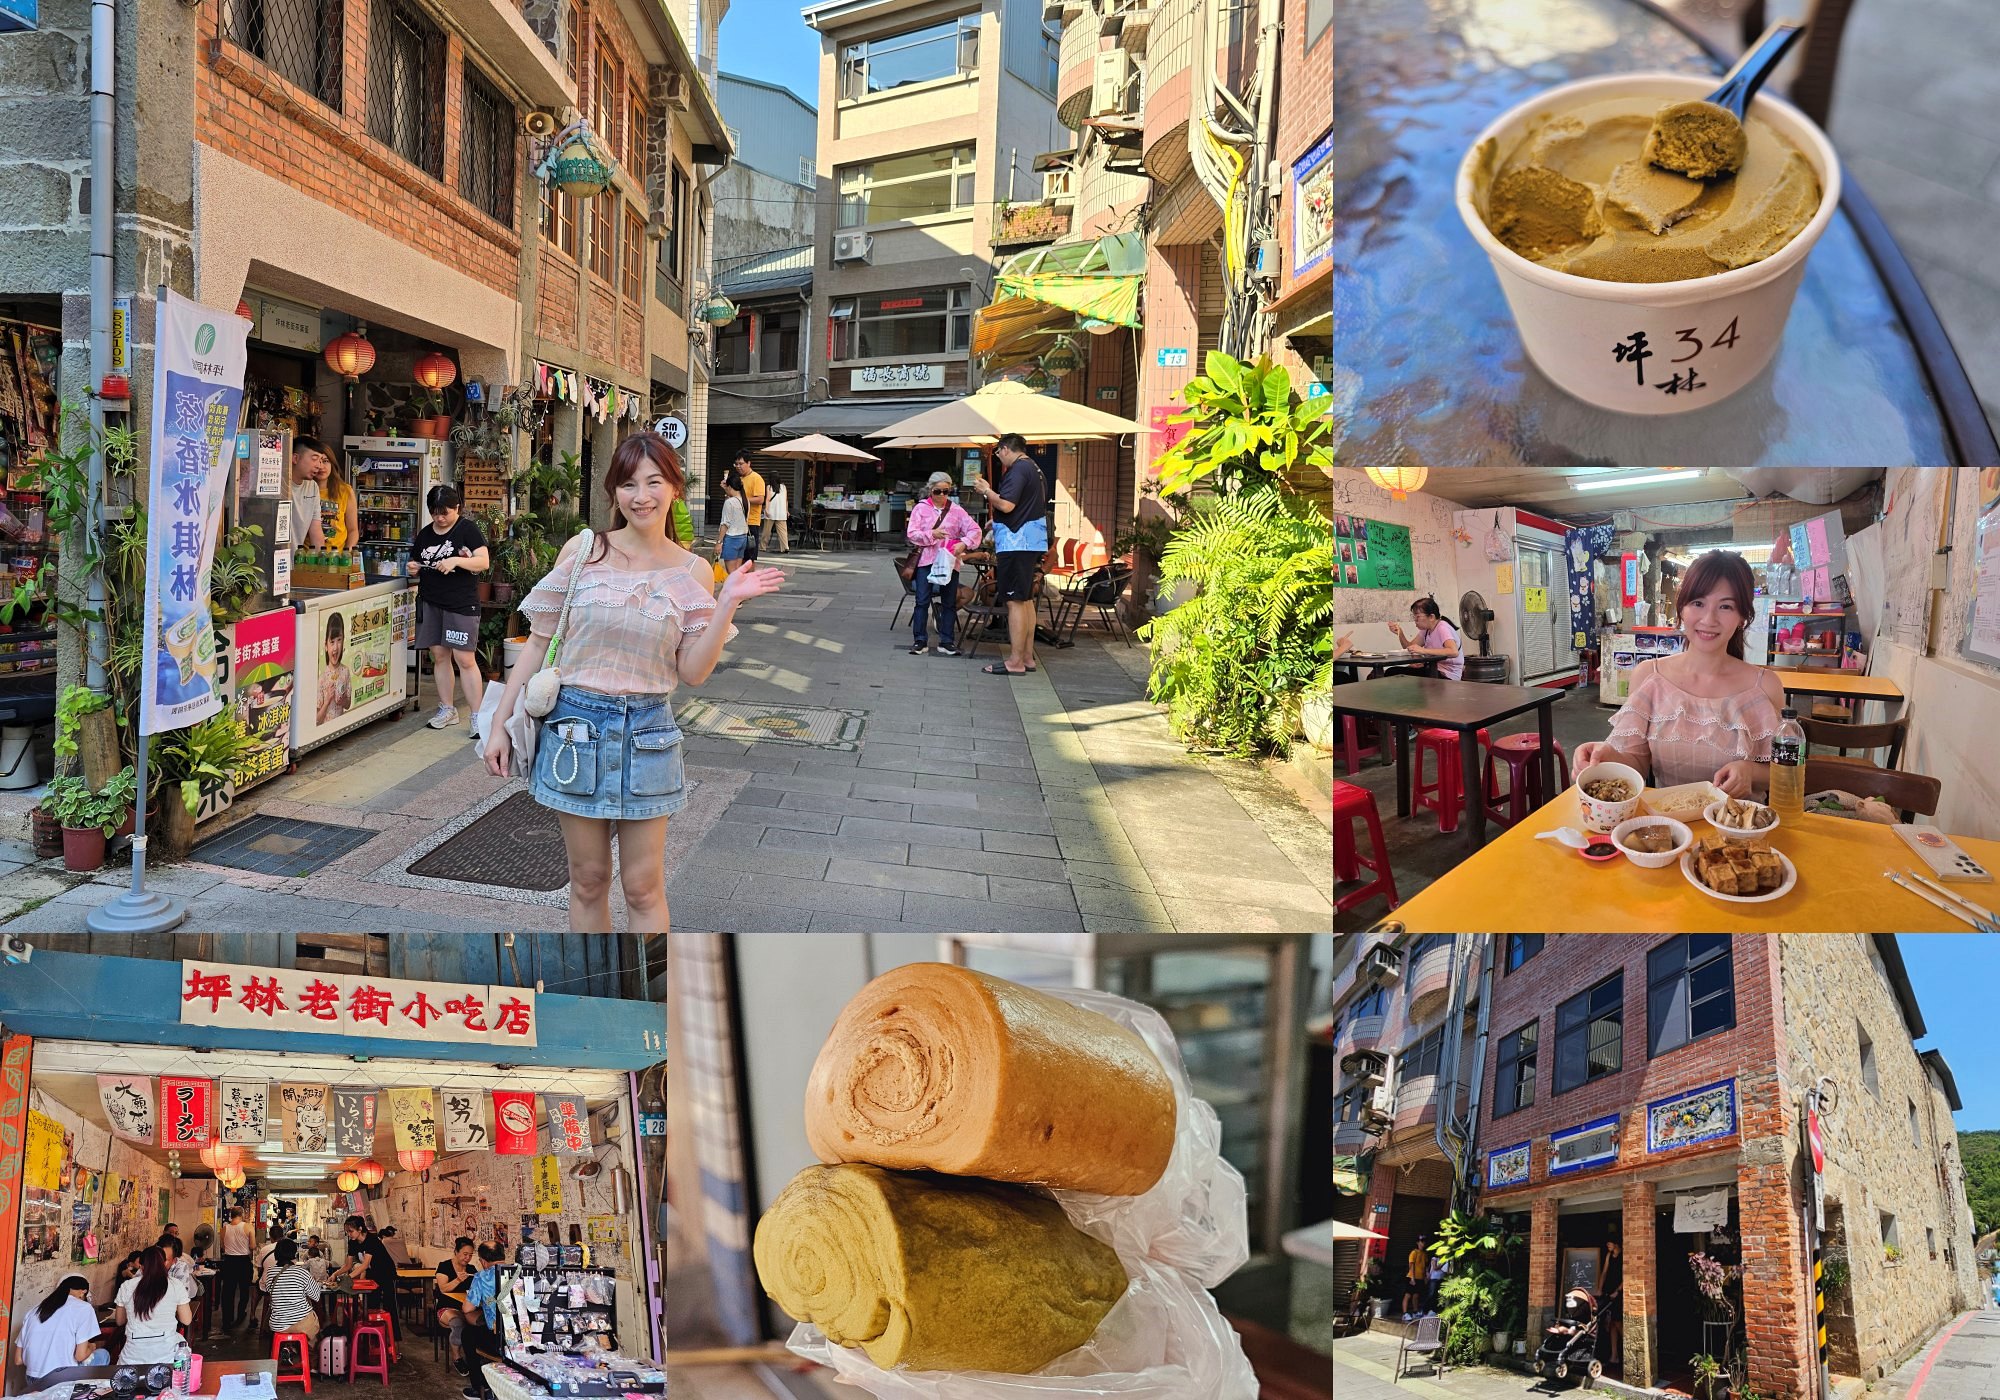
(1572, 1340)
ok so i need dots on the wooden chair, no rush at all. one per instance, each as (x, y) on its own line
(1424, 1340)
(1866, 737)
(1908, 793)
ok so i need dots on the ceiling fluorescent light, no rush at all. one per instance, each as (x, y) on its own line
(1606, 483)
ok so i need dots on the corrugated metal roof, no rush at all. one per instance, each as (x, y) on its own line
(785, 270)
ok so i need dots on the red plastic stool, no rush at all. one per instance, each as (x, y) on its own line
(376, 1315)
(380, 1365)
(1352, 748)
(1351, 804)
(1447, 793)
(305, 1371)
(1520, 753)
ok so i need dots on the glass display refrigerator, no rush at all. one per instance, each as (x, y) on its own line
(391, 476)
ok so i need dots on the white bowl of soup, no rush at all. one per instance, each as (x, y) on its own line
(1653, 842)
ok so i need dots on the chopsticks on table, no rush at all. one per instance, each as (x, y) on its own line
(1960, 909)
(1956, 898)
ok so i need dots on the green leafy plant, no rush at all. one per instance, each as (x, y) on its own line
(70, 801)
(235, 580)
(1233, 663)
(1891, 1254)
(72, 705)
(1707, 1371)
(206, 753)
(1473, 1305)
(1836, 1270)
(1459, 1235)
(1247, 432)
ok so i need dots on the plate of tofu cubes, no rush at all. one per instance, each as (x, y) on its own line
(1739, 871)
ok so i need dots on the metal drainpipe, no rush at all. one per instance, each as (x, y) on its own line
(1261, 194)
(103, 111)
(1470, 1150)
(1456, 1134)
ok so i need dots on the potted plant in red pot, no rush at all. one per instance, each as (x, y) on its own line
(89, 819)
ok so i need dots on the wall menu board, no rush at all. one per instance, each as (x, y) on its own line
(1371, 554)
(1982, 627)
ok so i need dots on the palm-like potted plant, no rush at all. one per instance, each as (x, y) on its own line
(189, 760)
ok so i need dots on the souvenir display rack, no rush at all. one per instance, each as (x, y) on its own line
(566, 1305)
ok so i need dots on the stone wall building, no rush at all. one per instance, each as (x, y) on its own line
(1647, 1090)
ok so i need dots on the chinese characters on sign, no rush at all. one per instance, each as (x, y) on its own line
(465, 1121)
(1635, 349)
(241, 1110)
(183, 1112)
(331, 1003)
(415, 1118)
(548, 1186)
(929, 376)
(128, 1105)
(354, 1122)
(569, 1123)
(304, 1109)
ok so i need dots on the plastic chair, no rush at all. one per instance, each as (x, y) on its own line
(1446, 794)
(1352, 804)
(1352, 750)
(279, 1340)
(388, 1323)
(1424, 1341)
(1520, 753)
(379, 1366)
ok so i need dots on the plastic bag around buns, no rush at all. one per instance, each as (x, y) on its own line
(938, 1068)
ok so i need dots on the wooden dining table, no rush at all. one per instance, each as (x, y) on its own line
(1465, 706)
(1841, 685)
(1518, 884)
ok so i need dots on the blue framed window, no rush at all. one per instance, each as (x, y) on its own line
(1514, 1084)
(1690, 990)
(1590, 1034)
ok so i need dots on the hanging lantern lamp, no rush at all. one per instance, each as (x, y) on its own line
(349, 355)
(434, 370)
(243, 310)
(221, 1156)
(371, 1172)
(347, 1181)
(1036, 379)
(577, 167)
(1399, 482)
(416, 1159)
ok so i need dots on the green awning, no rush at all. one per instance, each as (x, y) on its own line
(1098, 279)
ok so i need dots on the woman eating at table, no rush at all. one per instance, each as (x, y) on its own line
(1705, 714)
(454, 1276)
(1435, 637)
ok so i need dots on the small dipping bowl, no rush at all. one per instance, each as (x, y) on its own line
(1611, 850)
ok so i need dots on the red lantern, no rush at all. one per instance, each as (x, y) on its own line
(371, 1172)
(347, 1181)
(434, 370)
(416, 1159)
(221, 1156)
(243, 310)
(350, 355)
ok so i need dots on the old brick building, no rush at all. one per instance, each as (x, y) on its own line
(1648, 1090)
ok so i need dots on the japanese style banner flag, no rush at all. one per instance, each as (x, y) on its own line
(198, 362)
(184, 1111)
(465, 1121)
(128, 1105)
(354, 1122)
(304, 1107)
(514, 1122)
(569, 1123)
(241, 1108)
(414, 1113)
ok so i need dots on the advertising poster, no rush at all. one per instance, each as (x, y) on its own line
(262, 670)
(184, 1105)
(354, 645)
(548, 1185)
(414, 1114)
(197, 397)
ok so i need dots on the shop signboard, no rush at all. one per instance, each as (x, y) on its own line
(1507, 1166)
(1592, 1144)
(287, 323)
(1312, 208)
(1695, 1115)
(339, 1003)
(184, 1111)
(465, 1121)
(198, 362)
(548, 1185)
(879, 377)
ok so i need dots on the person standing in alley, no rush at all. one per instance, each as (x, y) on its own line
(938, 526)
(1020, 538)
(777, 512)
(446, 556)
(755, 498)
(237, 1243)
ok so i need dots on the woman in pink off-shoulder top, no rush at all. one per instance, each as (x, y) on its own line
(1705, 714)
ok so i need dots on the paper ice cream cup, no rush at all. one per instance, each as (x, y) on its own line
(1572, 327)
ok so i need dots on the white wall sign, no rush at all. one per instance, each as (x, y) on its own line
(877, 377)
(673, 430)
(1696, 1211)
(287, 323)
(333, 1003)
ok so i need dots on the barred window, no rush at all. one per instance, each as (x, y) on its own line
(300, 40)
(635, 253)
(604, 235)
(486, 155)
(406, 84)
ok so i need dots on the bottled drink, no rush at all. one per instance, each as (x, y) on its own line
(1788, 766)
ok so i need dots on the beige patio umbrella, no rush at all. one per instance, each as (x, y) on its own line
(818, 447)
(1343, 1231)
(914, 443)
(1008, 407)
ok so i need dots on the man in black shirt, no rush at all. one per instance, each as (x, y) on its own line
(366, 1254)
(1020, 538)
(444, 558)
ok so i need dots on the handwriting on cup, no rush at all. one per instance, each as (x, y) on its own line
(1635, 350)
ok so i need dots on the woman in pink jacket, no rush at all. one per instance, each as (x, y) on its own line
(939, 524)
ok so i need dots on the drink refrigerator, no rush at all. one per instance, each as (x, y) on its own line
(391, 476)
(1623, 651)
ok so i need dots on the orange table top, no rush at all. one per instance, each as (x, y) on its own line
(1851, 685)
(1517, 884)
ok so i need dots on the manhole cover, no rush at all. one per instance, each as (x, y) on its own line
(274, 845)
(518, 844)
(748, 721)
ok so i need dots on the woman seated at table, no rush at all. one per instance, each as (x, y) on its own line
(293, 1292)
(454, 1276)
(1435, 637)
(1705, 714)
(61, 1335)
(149, 1307)
(316, 1264)
(178, 1264)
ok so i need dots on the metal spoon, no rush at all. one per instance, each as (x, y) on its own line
(1705, 140)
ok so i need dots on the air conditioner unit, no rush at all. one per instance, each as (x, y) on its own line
(1111, 80)
(853, 248)
(677, 91)
(1383, 966)
(1366, 1067)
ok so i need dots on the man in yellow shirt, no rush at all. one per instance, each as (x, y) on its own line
(754, 495)
(1420, 1265)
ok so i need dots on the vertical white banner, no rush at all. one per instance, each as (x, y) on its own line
(198, 361)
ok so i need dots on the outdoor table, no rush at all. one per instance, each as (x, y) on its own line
(1466, 706)
(1841, 685)
(425, 1281)
(1519, 884)
(1374, 661)
(1431, 368)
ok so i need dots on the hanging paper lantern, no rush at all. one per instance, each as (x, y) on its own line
(221, 1156)
(719, 311)
(416, 1159)
(350, 355)
(434, 370)
(371, 1172)
(347, 1181)
(1399, 482)
(233, 1179)
(243, 310)
(578, 170)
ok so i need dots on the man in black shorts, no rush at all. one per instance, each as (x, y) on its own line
(755, 497)
(1020, 538)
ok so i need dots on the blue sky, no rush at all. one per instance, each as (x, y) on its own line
(1954, 975)
(766, 39)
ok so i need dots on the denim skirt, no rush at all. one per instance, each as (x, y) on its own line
(611, 757)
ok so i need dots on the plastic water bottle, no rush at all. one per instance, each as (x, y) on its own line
(1788, 767)
(182, 1355)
